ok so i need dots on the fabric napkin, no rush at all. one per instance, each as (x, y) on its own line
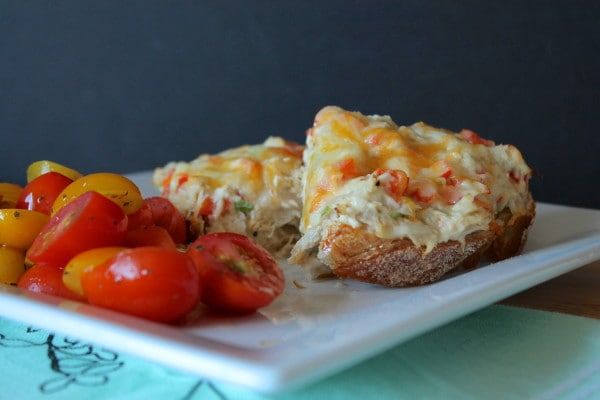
(497, 353)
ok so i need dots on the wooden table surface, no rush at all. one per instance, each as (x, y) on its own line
(577, 292)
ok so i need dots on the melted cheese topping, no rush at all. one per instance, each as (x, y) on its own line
(356, 169)
(252, 190)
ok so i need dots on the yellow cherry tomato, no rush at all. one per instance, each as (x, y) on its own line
(12, 265)
(117, 188)
(18, 228)
(44, 166)
(82, 261)
(9, 194)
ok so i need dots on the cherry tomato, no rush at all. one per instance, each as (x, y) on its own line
(165, 215)
(117, 188)
(87, 222)
(142, 217)
(88, 259)
(42, 167)
(40, 193)
(236, 274)
(46, 279)
(149, 236)
(394, 181)
(19, 228)
(12, 265)
(149, 282)
(9, 194)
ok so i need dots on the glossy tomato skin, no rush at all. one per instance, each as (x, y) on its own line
(46, 279)
(20, 228)
(150, 282)
(149, 236)
(236, 275)
(40, 193)
(119, 189)
(165, 215)
(82, 261)
(87, 222)
(42, 167)
(9, 194)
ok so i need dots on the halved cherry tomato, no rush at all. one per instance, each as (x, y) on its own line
(474, 138)
(117, 188)
(19, 228)
(150, 282)
(165, 215)
(236, 274)
(12, 265)
(145, 236)
(42, 167)
(87, 222)
(9, 194)
(40, 193)
(46, 279)
(72, 273)
(394, 181)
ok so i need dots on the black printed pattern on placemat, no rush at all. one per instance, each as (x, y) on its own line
(198, 385)
(82, 364)
(74, 362)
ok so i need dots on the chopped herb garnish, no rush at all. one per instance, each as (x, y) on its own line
(243, 206)
(397, 215)
(326, 211)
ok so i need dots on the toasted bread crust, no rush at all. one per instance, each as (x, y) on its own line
(357, 254)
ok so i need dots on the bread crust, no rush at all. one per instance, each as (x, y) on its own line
(357, 254)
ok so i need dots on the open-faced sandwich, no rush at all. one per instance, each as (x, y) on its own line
(403, 205)
(376, 202)
(251, 190)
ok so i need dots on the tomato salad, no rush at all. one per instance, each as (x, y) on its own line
(93, 238)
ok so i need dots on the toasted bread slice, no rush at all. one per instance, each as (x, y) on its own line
(403, 205)
(357, 254)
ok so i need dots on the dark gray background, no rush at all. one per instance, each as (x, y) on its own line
(126, 86)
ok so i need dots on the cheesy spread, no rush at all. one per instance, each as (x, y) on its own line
(253, 190)
(417, 182)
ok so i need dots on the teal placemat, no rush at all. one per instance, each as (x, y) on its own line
(497, 353)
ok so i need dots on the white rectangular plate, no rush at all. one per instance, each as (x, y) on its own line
(326, 326)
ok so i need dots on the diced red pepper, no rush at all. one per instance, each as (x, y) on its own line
(473, 138)
(207, 207)
(348, 169)
(397, 183)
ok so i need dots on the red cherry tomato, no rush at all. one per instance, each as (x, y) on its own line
(236, 274)
(40, 193)
(87, 222)
(142, 217)
(46, 279)
(165, 215)
(149, 236)
(149, 282)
